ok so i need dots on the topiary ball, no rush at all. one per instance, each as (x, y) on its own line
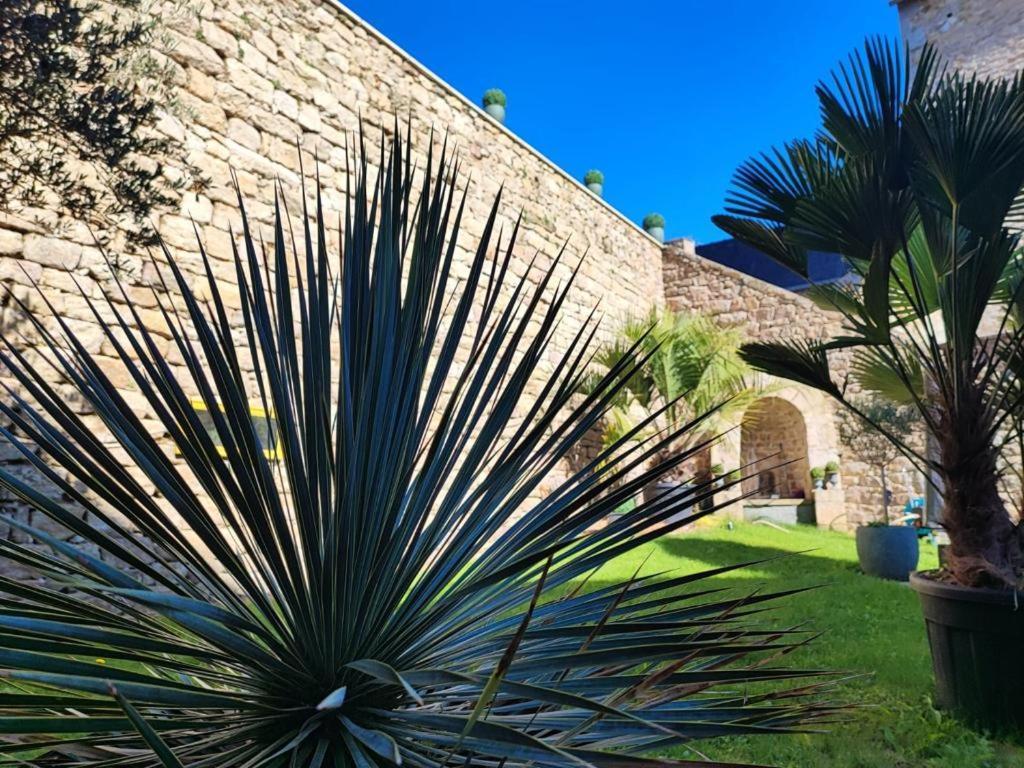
(494, 96)
(652, 220)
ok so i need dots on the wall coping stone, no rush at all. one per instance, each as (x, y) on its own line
(337, 6)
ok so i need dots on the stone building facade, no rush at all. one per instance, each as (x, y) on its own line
(256, 78)
(983, 36)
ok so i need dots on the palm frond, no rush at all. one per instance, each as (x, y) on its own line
(875, 372)
(797, 360)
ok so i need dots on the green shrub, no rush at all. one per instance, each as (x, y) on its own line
(593, 177)
(387, 588)
(494, 96)
(831, 467)
(652, 220)
(817, 473)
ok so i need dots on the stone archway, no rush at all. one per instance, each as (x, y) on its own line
(773, 447)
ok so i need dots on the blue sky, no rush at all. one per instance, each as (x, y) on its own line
(665, 97)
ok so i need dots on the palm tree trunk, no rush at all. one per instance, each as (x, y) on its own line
(985, 543)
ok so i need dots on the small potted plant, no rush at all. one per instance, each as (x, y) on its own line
(717, 475)
(654, 225)
(832, 474)
(885, 550)
(818, 477)
(494, 103)
(594, 181)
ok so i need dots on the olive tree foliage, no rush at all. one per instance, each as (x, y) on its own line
(861, 434)
(82, 85)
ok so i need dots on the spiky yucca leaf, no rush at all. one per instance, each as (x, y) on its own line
(390, 584)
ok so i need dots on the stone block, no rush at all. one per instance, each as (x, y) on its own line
(309, 118)
(244, 133)
(190, 52)
(11, 242)
(217, 38)
(286, 105)
(19, 270)
(52, 251)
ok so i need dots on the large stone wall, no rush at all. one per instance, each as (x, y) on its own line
(983, 36)
(257, 77)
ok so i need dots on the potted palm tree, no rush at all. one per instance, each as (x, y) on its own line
(884, 550)
(654, 225)
(494, 102)
(594, 180)
(916, 178)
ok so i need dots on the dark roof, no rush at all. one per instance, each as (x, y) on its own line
(823, 267)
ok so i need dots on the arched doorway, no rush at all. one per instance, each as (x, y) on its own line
(773, 450)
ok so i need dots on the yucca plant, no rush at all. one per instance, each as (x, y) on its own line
(388, 585)
(916, 179)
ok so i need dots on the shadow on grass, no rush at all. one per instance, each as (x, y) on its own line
(779, 563)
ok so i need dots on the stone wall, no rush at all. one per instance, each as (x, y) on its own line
(983, 36)
(255, 78)
(767, 312)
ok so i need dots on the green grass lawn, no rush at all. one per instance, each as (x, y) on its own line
(870, 626)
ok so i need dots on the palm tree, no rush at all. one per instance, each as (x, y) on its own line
(688, 367)
(915, 178)
(367, 574)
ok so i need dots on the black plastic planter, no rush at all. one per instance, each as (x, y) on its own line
(887, 551)
(976, 636)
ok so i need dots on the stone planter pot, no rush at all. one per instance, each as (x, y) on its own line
(596, 188)
(497, 111)
(832, 480)
(887, 551)
(975, 637)
(653, 490)
(658, 233)
(819, 483)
